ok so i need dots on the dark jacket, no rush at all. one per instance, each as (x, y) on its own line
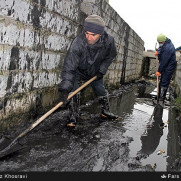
(86, 60)
(167, 57)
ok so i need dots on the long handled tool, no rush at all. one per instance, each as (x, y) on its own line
(157, 81)
(9, 149)
(157, 75)
(157, 88)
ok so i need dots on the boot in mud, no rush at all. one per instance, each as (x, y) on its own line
(72, 122)
(74, 110)
(106, 114)
(155, 102)
(162, 95)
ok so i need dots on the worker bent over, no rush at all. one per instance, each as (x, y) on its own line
(90, 54)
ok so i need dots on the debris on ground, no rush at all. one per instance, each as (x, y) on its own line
(160, 152)
(154, 166)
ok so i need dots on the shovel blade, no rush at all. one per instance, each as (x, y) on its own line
(7, 147)
(4, 142)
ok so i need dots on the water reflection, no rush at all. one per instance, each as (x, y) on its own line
(150, 140)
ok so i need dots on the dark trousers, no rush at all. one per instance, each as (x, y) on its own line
(98, 88)
(100, 91)
(164, 84)
(97, 85)
(165, 78)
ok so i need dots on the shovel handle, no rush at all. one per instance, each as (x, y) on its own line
(54, 108)
(157, 80)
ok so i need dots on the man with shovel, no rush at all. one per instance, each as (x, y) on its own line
(167, 65)
(90, 54)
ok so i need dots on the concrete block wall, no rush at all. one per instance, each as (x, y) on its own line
(153, 66)
(130, 46)
(178, 75)
(149, 64)
(35, 36)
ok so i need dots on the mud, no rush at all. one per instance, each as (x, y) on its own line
(144, 138)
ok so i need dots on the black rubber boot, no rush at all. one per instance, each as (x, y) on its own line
(162, 95)
(74, 110)
(106, 114)
(155, 102)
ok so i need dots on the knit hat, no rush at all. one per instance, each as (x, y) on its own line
(94, 24)
(161, 38)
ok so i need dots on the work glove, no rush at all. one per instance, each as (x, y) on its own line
(156, 53)
(157, 73)
(63, 96)
(99, 76)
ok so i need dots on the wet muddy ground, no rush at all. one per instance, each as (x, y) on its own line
(145, 138)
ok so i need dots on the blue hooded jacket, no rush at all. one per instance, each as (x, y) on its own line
(167, 57)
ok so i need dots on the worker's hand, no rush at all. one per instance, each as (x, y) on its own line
(63, 96)
(157, 73)
(156, 53)
(99, 76)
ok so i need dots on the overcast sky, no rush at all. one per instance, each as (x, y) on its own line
(150, 18)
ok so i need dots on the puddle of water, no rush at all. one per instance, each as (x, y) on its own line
(143, 125)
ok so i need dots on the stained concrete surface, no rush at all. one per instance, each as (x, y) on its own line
(144, 138)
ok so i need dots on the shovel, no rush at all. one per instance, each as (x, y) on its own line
(157, 90)
(157, 82)
(157, 75)
(150, 120)
(9, 146)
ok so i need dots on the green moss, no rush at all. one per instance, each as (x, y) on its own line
(178, 103)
